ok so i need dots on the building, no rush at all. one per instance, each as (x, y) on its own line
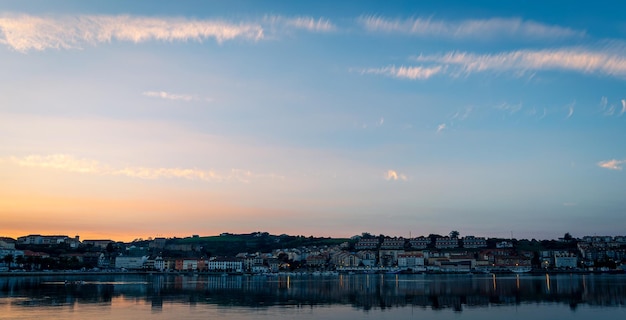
(188, 264)
(446, 243)
(366, 244)
(565, 261)
(345, 259)
(225, 264)
(158, 243)
(504, 244)
(471, 242)
(410, 260)
(367, 257)
(389, 258)
(102, 244)
(36, 239)
(392, 243)
(159, 264)
(419, 242)
(130, 263)
(7, 243)
(316, 260)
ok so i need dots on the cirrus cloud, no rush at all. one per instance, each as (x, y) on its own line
(23, 32)
(173, 96)
(610, 63)
(402, 72)
(473, 28)
(69, 163)
(306, 23)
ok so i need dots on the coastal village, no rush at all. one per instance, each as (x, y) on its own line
(262, 253)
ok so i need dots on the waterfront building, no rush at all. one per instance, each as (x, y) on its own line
(225, 264)
(130, 263)
(367, 257)
(411, 260)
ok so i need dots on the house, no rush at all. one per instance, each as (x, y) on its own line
(159, 264)
(419, 242)
(345, 259)
(158, 243)
(446, 243)
(366, 244)
(225, 264)
(33, 254)
(273, 264)
(411, 260)
(367, 257)
(389, 258)
(455, 266)
(259, 268)
(316, 260)
(392, 243)
(463, 259)
(37, 239)
(471, 242)
(102, 244)
(565, 261)
(504, 244)
(7, 243)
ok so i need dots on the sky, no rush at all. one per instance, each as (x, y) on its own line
(140, 119)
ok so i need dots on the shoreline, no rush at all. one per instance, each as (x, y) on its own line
(104, 273)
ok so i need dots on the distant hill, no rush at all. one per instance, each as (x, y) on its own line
(232, 244)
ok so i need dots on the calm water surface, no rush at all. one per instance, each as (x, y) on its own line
(308, 297)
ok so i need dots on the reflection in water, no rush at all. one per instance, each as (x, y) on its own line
(363, 292)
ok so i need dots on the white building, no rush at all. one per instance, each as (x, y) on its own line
(504, 244)
(565, 261)
(225, 264)
(159, 264)
(130, 263)
(410, 260)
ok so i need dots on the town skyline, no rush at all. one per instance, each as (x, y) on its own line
(452, 233)
(318, 118)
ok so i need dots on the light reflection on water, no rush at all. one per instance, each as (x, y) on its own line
(306, 297)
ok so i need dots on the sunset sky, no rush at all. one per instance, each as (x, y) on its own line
(128, 119)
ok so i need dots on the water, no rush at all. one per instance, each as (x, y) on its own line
(394, 297)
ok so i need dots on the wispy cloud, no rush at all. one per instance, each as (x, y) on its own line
(623, 107)
(612, 164)
(510, 108)
(462, 114)
(173, 96)
(475, 28)
(441, 127)
(26, 32)
(306, 23)
(402, 72)
(574, 59)
(392, 175)
(570, 110)
(70, 163)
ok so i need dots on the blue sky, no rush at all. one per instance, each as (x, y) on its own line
(161, 118)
